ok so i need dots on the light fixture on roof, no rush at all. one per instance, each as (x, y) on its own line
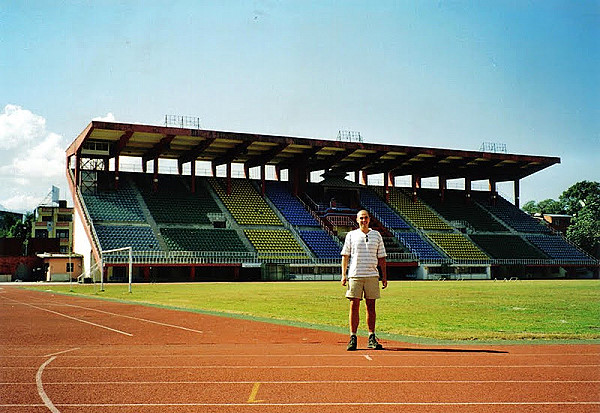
(349, 136)
(178, 121)
(494, 147)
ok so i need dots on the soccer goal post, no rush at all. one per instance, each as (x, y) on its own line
(117, 253)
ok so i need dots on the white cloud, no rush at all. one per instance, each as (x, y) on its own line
(45, 160)
(22, 202)
(108, 118)
(31, 161)
(19, 126)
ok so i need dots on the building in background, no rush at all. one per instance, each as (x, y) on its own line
(61, 267)
(559, 222)
(54, 222)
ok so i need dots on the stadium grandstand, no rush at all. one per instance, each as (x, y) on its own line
(285, 212)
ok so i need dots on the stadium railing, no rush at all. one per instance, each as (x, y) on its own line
(88, 220)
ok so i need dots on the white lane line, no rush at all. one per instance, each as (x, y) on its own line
(40, 387)
(254, 367)
(541, 403)
(137, 318)
(119, 383)
(74, 318)
(61, 352)
(207, 355)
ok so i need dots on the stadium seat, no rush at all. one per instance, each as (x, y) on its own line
(417, 213)
(290, 207)
(500, 246)
(321, 244)
(455, 209)
(511, 215)
(456, 246)
(173, 203)
(557, 247)
(376, 206)
(419, 246)
(275, 243)
(138, 237)
(114, 205)
(194, 239)
(245, 204)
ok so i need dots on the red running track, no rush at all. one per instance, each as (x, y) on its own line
(71, 354)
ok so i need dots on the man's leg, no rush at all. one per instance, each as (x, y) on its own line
(371, 315)
(371, 318)
(354, 315)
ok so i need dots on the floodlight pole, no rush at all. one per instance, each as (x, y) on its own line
(130, 268)
(102, 271)
(70, 271)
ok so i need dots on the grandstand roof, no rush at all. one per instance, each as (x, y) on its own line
(219, 147)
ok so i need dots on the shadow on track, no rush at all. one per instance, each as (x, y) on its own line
(443, 350)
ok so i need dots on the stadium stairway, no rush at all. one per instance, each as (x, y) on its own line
(246, 205)
(252, 192)
(558, 248)
(417, 213)
(392, 245)
(457, 246)
(454, 208)
(231, 222)
(507, 246)
(298, 230)
(420, 246)
(294, 211)
(147, 215)
(511, 215)
(383, 212)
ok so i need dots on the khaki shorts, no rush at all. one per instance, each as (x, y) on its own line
(363, 286)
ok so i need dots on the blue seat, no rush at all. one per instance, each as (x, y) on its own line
(290, 207)
(321, 244)
(385, 214)
(418, 246)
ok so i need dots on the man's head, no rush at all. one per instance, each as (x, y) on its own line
(363, 219)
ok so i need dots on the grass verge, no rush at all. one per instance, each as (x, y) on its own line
(417, 311)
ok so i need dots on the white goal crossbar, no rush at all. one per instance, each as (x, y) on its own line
(102, 253)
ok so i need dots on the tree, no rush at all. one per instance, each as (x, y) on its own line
(8, 221)
(530, 207)
(20, 229)
(579, 195)
(550, 206)
(585, 229)
(582, 200)
(547, 206)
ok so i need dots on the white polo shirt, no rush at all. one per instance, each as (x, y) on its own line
(364, 251)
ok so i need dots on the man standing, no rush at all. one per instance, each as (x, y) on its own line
(364, 249)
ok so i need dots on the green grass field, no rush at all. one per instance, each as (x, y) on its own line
(418, 311)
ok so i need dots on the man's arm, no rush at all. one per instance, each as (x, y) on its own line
(344, 268)
(383, 266)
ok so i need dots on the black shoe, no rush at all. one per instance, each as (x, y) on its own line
(373, 343)
(351, 343)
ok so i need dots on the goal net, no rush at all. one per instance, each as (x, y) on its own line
(118, 256)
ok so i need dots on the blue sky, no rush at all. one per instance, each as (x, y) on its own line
(449, 74)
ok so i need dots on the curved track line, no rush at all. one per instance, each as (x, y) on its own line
(40, 386)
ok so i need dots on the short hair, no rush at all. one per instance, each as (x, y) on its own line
(365, 211)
